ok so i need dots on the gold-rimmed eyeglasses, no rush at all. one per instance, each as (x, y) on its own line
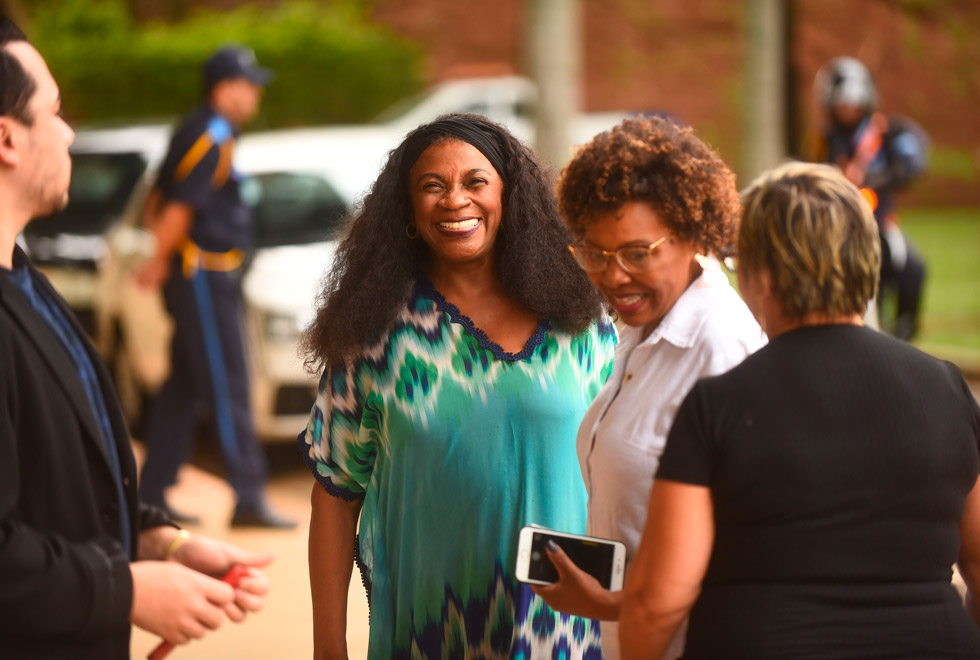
(634, 259)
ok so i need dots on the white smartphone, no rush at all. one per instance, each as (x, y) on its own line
(605, 560)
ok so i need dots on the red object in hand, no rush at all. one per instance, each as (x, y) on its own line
(234, 574)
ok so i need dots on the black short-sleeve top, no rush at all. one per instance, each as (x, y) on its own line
(839, 460)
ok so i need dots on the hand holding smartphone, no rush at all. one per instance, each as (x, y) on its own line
(603, 559)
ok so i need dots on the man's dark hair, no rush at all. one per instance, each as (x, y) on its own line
(16, 85)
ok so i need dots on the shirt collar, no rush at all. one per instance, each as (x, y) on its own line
(682, 323)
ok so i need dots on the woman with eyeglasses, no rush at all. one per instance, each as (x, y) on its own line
(653, 208)
(461, 345)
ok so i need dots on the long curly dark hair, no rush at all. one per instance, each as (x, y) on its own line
(377, 264)
(653, 160)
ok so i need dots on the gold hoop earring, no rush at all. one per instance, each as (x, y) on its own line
(412, 231)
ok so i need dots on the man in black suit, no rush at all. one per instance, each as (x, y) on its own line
(80, 557)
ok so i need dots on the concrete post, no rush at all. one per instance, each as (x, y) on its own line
(554, 46)
(765, 93)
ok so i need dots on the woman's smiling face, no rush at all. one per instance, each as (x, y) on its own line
(457, 199)
(641, 299)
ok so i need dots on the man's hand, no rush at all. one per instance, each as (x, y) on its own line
(177, 603)
(153, 273)
(215, 558)
(169, 225)
(577, 592)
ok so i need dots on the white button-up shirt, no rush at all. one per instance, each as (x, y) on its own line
(708, 331)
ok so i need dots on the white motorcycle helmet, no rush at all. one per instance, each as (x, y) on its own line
(845, 81)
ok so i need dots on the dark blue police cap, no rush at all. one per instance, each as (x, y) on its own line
(234, 62)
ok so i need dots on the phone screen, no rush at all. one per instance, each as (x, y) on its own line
(594, 558)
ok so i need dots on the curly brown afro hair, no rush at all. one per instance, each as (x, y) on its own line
(652, 160)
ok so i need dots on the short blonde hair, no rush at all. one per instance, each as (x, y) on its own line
(816, 235)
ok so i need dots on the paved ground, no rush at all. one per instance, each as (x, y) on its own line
(283, 629)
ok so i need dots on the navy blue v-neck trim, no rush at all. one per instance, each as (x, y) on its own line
(427, 289)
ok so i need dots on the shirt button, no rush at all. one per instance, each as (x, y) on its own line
(126, 482)
(628, 377)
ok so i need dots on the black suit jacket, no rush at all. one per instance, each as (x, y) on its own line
(65, 586)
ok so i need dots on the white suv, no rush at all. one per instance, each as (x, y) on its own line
(299, 195)
(301, 183)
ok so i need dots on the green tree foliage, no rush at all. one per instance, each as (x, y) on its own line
(331, 65)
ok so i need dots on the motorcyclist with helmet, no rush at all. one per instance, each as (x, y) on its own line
(880, 154)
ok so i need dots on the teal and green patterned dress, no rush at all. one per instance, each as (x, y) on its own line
(454, 445)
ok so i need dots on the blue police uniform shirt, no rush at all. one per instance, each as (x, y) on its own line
(198, 172)
(21, 277)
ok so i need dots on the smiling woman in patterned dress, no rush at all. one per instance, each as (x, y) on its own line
(460, 346)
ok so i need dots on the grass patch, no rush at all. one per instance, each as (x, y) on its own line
(949, 241)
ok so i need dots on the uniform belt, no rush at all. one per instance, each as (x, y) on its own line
(195, 259)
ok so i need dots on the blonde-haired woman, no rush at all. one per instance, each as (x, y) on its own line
(811, 502)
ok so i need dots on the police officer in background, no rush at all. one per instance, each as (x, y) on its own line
(880, 154)
(202, 228)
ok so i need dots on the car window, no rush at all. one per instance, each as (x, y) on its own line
(101, 185)
(478, 108)
(293, 208)
(526, 109)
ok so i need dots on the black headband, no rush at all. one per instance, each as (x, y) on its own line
(472, 131)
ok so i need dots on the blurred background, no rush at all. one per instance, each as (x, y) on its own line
(352, 76)
(345, 61)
